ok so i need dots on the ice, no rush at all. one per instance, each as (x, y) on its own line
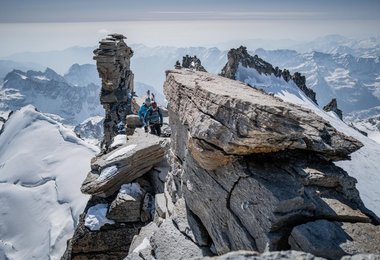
(96, 217)
(119, 140)
(121, 151)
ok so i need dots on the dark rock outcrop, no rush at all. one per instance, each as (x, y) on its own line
(113, 64)
(333, 106)
(190, 62)
(252, 168)
(240, 56)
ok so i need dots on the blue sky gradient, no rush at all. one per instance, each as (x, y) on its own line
(13, 11)
(41, 25)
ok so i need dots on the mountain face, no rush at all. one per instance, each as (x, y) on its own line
(239, 58)
(42, 164)
(82, 75)
(50, 93)
(7, 66)
(353, 81)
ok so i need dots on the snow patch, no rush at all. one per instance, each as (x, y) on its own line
(107, 173)
(41, 78)
(96, 217)
(121, 152)
(119, 140)
(132, 189)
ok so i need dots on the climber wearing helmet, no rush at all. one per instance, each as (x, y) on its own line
(153, 118)
(142, 112)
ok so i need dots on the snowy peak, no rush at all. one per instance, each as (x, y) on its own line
(241, 57)
(82, 75)
(50, 93)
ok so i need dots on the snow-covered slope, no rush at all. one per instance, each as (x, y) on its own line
(365, 163)
(354, 81)
(42, 165)
(51, 93)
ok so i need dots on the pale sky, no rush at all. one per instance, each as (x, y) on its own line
(55, 24)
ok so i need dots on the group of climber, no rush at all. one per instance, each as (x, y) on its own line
(151, 115)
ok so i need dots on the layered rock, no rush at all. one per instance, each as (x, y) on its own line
(333, 106)
(190, 62)
(124, 164)
(113, 64)
(241, 57)
(253, 168)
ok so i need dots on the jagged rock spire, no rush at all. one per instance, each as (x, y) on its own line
(241, 56)
(333, 106)
(113, 64)
(190, 62)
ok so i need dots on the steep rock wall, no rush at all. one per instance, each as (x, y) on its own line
(252, 167)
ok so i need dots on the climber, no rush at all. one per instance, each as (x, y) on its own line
(142, 112)
(153, 118)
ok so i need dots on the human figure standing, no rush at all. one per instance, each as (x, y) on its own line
(154, 119)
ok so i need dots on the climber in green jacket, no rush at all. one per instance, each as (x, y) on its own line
(153, 118)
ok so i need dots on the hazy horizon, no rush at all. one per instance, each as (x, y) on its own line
(44, 25)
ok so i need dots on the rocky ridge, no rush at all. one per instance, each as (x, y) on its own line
(245, 171)
(247, 175)
(190, 62)
(240, 56)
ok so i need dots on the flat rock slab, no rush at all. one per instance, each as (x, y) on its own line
(124, 164)
(242, 120)
(333, 240)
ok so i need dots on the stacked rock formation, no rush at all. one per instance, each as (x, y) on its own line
(333, 106)
(124, 180)
(113, 64)
(190, 62)
(257, 172)
(240, 56)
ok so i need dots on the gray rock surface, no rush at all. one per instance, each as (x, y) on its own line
(238, 152)
(146, 232)
(124, 164)
(131, 123)
(169, 243)
(126, 207)
(252, 255)
(333, 240)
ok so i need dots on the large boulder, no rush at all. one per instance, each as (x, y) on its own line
(241, 120)
(251, 167)
(124, 164)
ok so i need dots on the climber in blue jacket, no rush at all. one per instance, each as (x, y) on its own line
(153, 118)
(142, 112)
